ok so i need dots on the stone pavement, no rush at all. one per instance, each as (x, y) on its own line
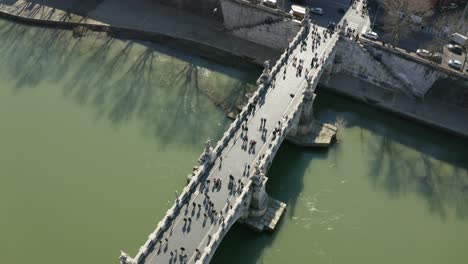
(141, 15)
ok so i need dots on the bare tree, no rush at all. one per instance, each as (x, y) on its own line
(447, 24)
(399, 16)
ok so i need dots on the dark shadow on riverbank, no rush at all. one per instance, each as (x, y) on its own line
(443, 188)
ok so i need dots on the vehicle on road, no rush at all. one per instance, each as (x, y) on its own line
(459, 39)
(371, 35)
(298, 12)
(456, 64)
(435, 57)
(317, 10)
(341, 10)
(270, 3)
(423, 53)
(457, 49)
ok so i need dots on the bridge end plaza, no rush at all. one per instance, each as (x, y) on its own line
(229, 185)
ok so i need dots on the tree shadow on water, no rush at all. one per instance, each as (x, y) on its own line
(407, 158)
(122, 80)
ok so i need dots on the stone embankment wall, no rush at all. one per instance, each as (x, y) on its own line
(353, 59)
(382, 66)
(241, 13)
(201, 7)
(399, 83)
(277, 35)
(259, 24)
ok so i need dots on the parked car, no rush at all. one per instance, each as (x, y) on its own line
(456, 64)
(452, 6)
(435, 57)
(455, 49)
(459, 39)
(270, 3)
(423, 53)
(341, 10)
(371, 35)
(298, 12)
(317, 10)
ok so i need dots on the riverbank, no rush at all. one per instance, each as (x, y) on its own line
(444, 117)
(144, 20)
(149, 21)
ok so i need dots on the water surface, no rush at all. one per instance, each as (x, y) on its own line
(98, 133)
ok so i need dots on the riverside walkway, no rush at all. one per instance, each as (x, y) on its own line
(204, 212)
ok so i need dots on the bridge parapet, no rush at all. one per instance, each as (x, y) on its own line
(231, 217)
(252, 201)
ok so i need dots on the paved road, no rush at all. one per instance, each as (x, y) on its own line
(286, 91)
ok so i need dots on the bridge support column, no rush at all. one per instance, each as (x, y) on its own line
(307, 131)
(259, 202)
(262, 212)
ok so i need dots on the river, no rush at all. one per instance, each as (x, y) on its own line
(97, 134)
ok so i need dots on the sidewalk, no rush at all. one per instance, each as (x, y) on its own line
(140, 15)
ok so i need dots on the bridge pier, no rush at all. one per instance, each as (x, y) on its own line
(307, 131)
(262, 211)
(259, 201)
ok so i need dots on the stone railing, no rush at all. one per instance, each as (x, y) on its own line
(230, 218)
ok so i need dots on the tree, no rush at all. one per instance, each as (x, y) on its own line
(399, 15)
(447, 24)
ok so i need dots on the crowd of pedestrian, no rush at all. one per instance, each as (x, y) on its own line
(211, 212)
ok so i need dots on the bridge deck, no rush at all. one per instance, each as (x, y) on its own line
(277, 103)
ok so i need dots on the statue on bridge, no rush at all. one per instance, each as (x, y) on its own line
(258, 174)
(208, 145)
(308, 91)
(343, 27)
(125, 258)
(306, 20)
(207, 153)
(266, 73)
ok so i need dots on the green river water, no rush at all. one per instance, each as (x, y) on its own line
(98, 133)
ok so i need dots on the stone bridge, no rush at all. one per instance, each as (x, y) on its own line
(229, 184)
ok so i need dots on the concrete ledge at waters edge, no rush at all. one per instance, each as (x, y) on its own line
(320, 135)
